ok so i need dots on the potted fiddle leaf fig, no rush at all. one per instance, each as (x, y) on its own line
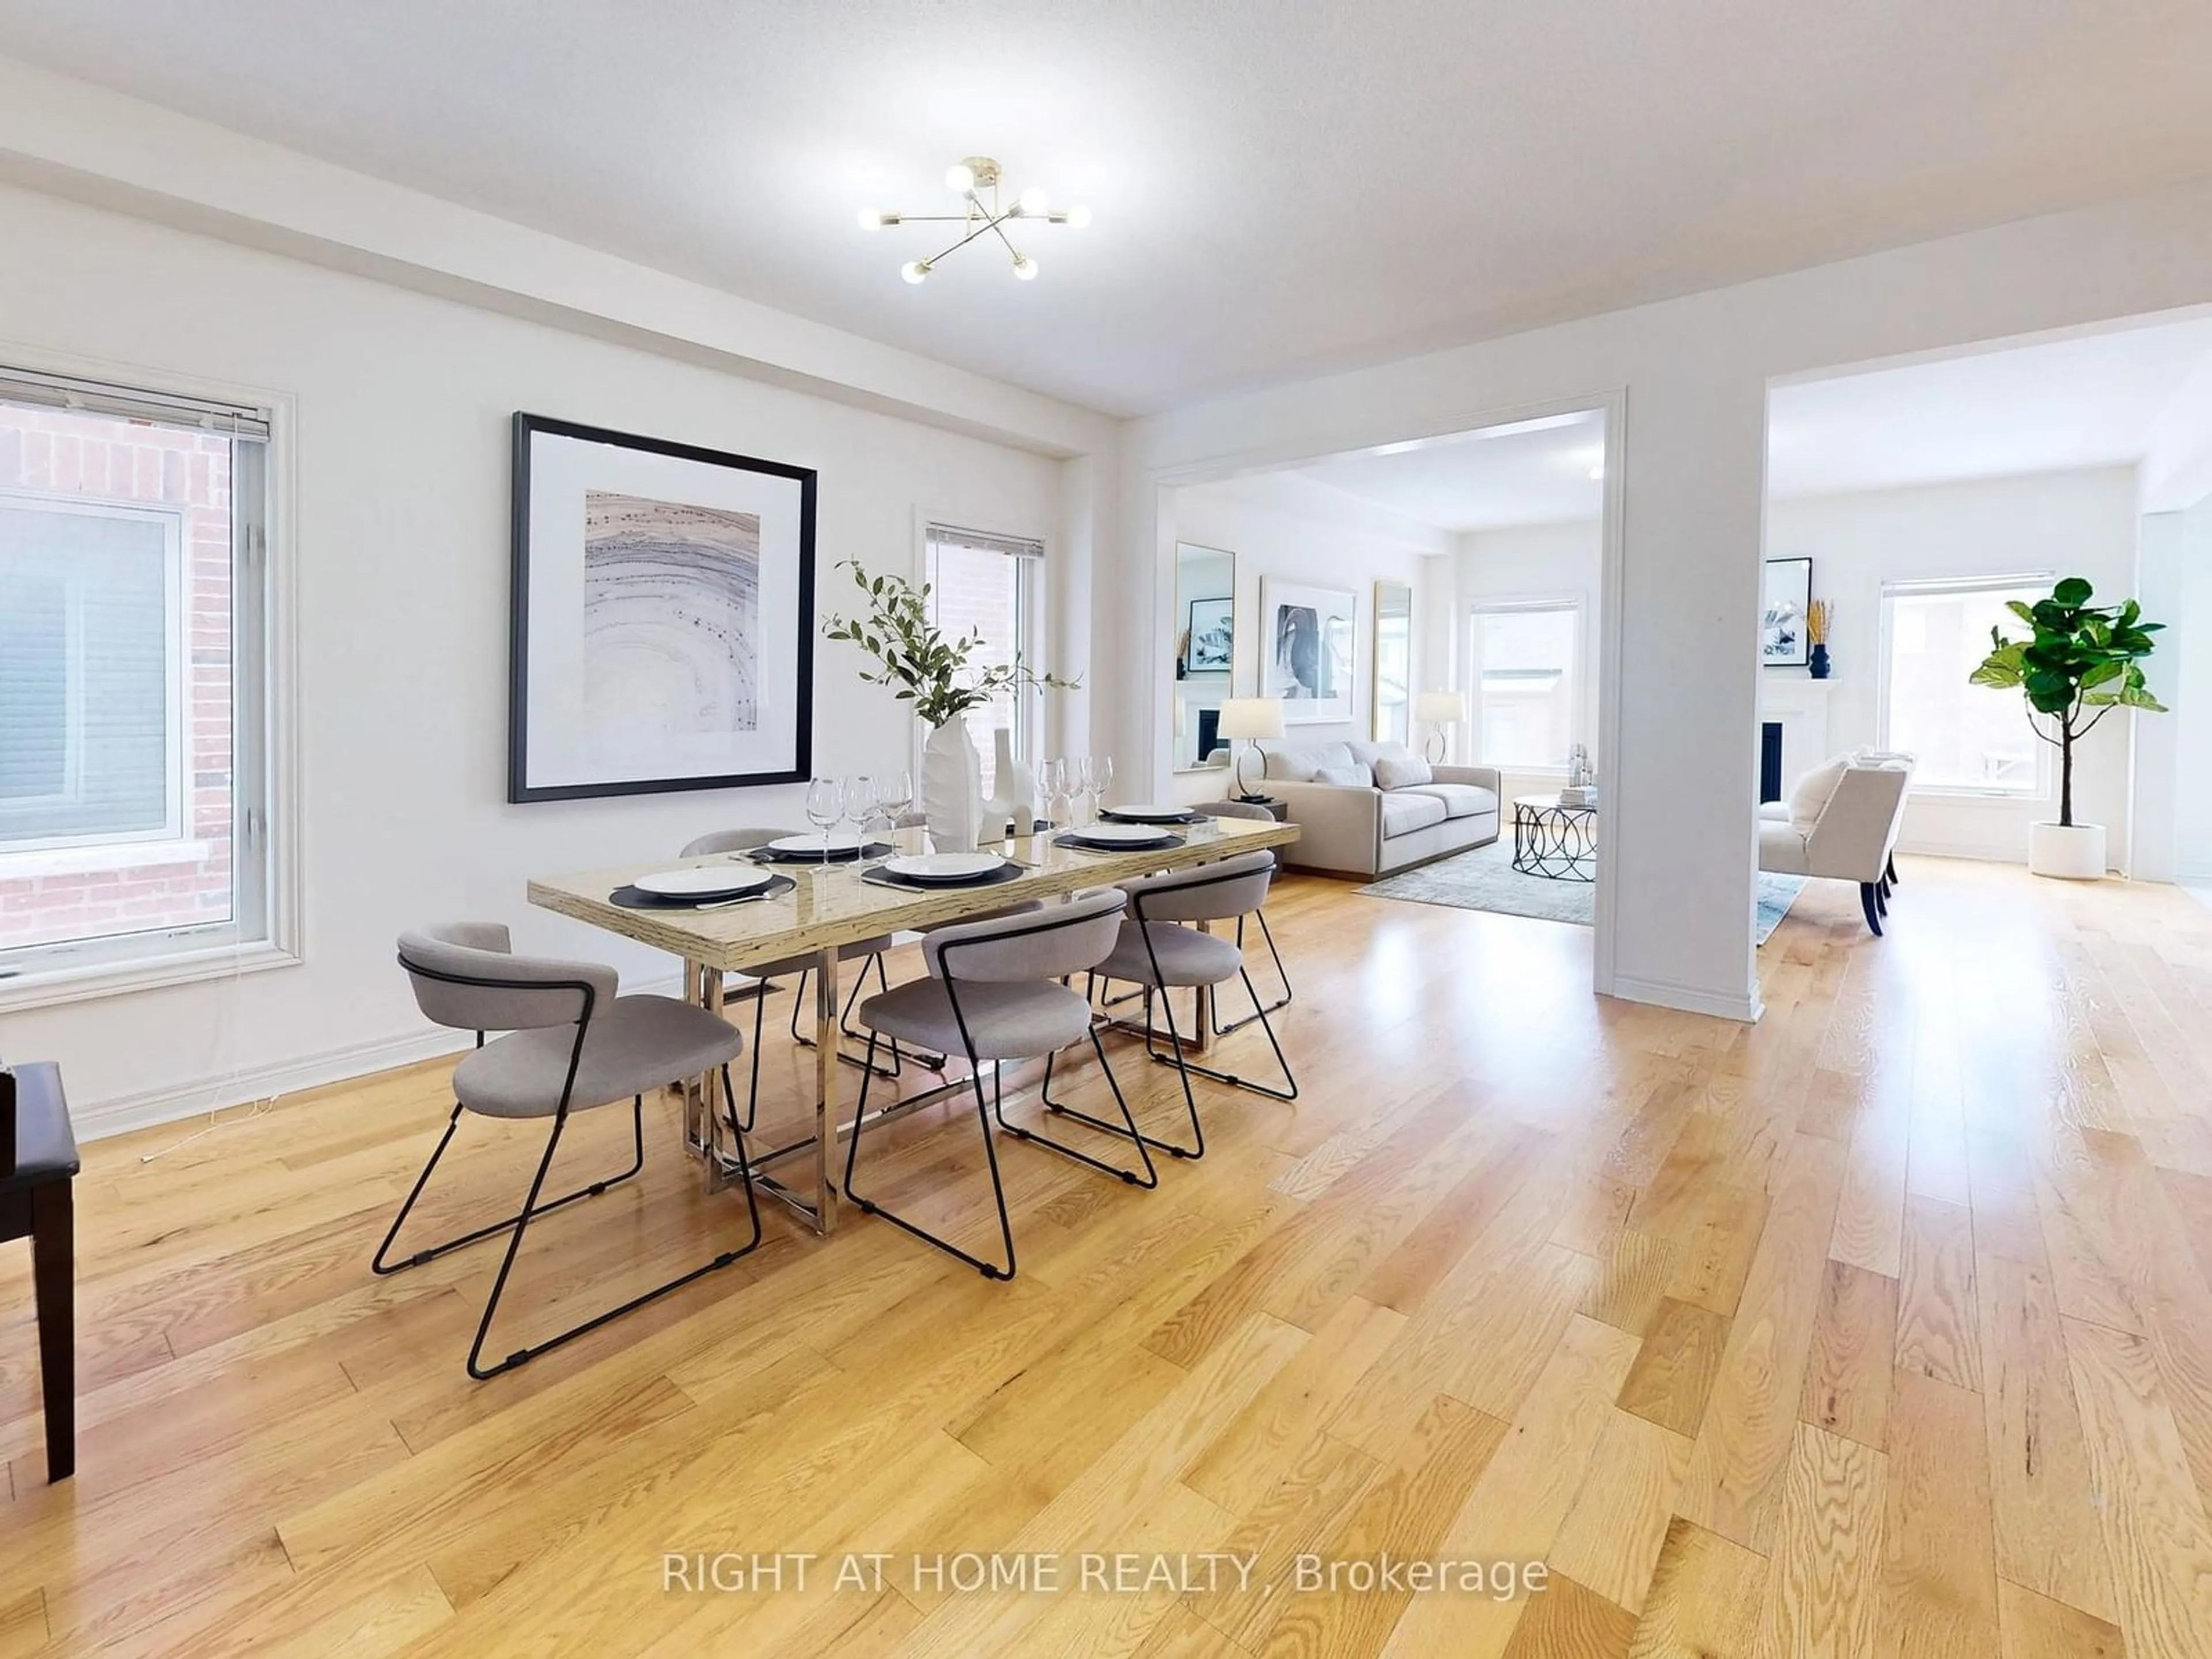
(2079, 663)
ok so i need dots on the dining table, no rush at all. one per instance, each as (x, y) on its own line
(829, 906)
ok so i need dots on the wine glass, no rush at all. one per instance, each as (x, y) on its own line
(860, 799)
(894, 795)
(825, 805)
(1052, 783)
(1082, 790)
(1102, 774)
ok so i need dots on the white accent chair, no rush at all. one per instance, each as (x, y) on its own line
(1841, 822)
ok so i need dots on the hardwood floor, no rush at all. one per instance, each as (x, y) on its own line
(1883, 1327)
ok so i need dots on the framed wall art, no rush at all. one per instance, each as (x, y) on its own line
(663, 616)
(1308, 650)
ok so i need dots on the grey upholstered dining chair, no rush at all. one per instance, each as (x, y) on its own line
(1252, 810)
(572, 1044)
(994, 994)
(1160, 950)
(868, 952)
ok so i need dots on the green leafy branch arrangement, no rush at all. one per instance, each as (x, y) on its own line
(2081, 657)
(928, 670)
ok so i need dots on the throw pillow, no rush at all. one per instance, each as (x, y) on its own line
(1290, 765)
(1809, 799)
(1344, 777)
(1401, 771)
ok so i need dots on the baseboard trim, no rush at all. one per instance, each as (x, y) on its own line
(1745, 1009)
(174, 1102)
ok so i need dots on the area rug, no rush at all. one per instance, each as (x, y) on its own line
(1484, 880)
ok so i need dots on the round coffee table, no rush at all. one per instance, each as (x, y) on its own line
(1557, 842)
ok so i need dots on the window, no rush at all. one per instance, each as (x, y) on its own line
(1523, 657)
(1962, 736)
(132, 674)
(985, 585)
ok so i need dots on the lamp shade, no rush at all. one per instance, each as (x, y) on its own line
(1251, 717)
(1440, 707)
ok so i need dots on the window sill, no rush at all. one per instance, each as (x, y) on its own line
(55, 987)
(112, 855)
(1976, 797)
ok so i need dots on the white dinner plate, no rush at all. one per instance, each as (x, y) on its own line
(704, 881)
(1151, 812)
(944, 867)
(1132, 833)
(842, 842)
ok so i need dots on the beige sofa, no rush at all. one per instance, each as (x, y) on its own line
(1366, 809)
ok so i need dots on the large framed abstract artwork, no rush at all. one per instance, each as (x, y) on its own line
(1308, 648)
(662, 616)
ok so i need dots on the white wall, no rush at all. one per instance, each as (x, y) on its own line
(1676, 871)
(1528, 562)
(403, 404)
(2076, 524)
(1282, 525)
(2177, 573)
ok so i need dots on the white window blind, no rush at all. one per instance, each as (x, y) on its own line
(985, 584)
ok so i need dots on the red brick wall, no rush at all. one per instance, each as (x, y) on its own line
(98, 459)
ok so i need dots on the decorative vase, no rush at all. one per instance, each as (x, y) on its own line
(951, 787)
(1817, 665)
(2072, 852)
(1015, 803)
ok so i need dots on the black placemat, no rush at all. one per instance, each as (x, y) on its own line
(630, 898)
(1076, 839)
(998, 878)
(874, 849)
(1113, 816)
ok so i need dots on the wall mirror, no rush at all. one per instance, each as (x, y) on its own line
(1204, 650)
(1392, 702)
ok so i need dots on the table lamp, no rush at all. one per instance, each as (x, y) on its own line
(1440, 710)
(1249, 719)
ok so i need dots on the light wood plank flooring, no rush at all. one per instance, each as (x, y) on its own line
(1883, 1327)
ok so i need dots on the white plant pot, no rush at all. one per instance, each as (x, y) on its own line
(951, 787)
(1016, 802)
(2071, 852)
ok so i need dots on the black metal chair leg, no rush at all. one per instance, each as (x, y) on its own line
(1189, 1068)
(845, 1019)
(1281, 973)
(482, 1373)
(1149, 1179)
(381, 1267)
(1867, 904)
(869, 1206)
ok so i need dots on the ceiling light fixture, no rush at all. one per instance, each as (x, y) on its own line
(975, 182)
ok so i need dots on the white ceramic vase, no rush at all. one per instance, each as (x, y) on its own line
(1016, 801)
(2073, 852)
(951, 787)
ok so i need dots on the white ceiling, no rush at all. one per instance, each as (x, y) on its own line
(1531, 473)
(2090, 401)
(1278, 184)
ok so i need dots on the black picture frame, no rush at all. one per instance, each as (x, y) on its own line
(1785, 594)
(520, 790)
(1223, 606)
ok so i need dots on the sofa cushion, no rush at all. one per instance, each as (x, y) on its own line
(1808, 797)
(1461, 800)
(1405, 811)
(1368, 753)
(1298, 765)
(1344, 777)
(1401, 771)
(1781, 848)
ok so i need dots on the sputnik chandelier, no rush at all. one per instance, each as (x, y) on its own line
(975, 182)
